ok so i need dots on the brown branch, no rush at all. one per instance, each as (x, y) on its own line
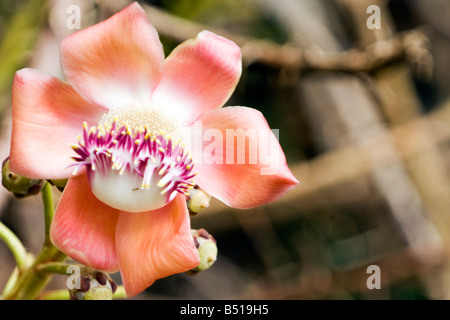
(411, 46)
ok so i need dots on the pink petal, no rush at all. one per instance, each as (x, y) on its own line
(116, 61)
(153, 245)
(84, 227)
(241, 175)
(199, 75)
(47, 116)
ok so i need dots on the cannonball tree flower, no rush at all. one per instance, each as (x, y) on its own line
(120, 128)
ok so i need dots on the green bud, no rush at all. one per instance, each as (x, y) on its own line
(197, 200)
(98, 292)
(20, 186)
(60, 184)
(94, 285)
(207, 250)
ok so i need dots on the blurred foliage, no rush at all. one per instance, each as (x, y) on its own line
(20, 23)
(241, 17)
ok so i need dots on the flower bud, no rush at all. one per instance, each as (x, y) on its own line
(207, 250)
(60, 184)
(94, 286)
(20, 186)
(197, 200)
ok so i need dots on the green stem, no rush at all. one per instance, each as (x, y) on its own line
(60, 268)
(47, 199)
(10, 284)
(30, 282)
(18, 250)
(52, 267)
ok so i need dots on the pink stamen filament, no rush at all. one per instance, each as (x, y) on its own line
(151, 156)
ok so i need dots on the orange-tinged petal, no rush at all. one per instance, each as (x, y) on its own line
(84, 227)
(199, 75)
(47, 116)
(240, 161)
(155, 244)
(115, 61)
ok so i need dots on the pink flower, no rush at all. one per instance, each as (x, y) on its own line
(126, 119)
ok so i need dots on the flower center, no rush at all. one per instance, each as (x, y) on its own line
(152, 118)
(136, 158)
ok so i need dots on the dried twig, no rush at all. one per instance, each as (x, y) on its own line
(411, 45)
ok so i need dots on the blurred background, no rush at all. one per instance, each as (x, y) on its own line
(364, 119)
